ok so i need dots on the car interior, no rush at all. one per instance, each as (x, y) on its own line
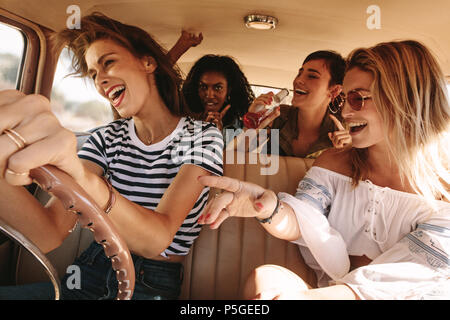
(270, 55)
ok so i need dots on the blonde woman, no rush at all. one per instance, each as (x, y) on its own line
(373, 222)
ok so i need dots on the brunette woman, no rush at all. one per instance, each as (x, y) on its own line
(151, 157)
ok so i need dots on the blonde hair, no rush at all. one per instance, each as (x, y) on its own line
(410, 93)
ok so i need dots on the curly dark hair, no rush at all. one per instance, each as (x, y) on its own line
(239, 91)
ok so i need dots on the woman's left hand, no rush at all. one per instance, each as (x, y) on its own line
(31, 136)
(340, 138)
(216, 117)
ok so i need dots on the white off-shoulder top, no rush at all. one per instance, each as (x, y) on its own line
(407, 238)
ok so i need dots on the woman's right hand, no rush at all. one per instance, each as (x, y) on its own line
(261, 101)
(238, 199)
(265, 100)
(45, 141)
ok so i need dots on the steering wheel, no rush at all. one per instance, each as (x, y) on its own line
(76, 200)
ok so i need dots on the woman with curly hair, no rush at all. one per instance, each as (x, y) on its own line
(217, 91)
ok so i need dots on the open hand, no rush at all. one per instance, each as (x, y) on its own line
(238, 199)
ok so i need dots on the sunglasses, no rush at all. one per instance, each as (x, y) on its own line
(356, 99)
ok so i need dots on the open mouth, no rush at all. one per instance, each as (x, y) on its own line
(356, 126)
(116, 95)
(300, 91)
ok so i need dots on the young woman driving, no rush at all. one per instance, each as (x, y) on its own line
(151, 156)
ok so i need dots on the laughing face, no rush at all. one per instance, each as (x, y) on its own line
(311, 85)
(119, 76)
(365, 125)
(212, 90)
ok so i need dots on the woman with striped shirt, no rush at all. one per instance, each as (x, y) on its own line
(152, 157)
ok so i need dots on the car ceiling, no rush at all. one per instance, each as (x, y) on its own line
(267, 57)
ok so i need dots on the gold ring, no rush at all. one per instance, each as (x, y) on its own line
(16, 173)
(16, 138)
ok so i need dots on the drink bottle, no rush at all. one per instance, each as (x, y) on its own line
(252, 120)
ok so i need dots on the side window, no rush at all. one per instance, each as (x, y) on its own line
(11, 56)
(75, 101)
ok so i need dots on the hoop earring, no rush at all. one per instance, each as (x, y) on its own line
(336, 105)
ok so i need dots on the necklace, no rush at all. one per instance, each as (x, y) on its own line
(149, 140)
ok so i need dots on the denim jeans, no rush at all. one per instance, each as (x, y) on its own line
(155, 280)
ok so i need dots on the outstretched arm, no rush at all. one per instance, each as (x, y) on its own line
(244, 199)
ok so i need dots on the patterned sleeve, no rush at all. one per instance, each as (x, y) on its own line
(94, 150)
(205, 148)
(311, 205)
(417, 267)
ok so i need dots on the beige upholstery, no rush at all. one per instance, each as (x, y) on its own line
(220, 260)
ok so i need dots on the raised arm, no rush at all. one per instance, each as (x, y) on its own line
(184, 43)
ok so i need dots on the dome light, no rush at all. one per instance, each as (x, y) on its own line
(260, 22)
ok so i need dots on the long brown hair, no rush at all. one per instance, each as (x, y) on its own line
(410, 94)
(97, 26)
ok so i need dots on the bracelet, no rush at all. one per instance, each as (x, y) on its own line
(112, 196)
(275, 211)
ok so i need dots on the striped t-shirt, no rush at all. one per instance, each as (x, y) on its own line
(142, 173)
